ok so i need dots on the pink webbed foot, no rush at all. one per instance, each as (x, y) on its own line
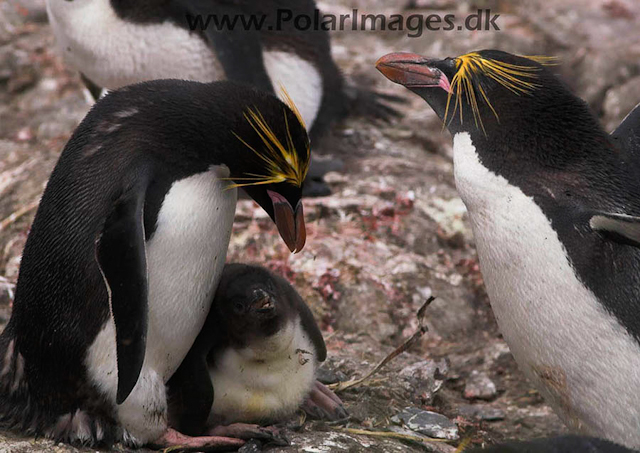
(323, 404)
(174, 441)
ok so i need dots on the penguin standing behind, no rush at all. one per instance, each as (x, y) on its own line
(254, 361)
(554, 202)
(126, 250)
(117, 42)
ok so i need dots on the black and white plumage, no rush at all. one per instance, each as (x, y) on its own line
(554, 203)
(127, 248)
(255, 359)
(113, 43)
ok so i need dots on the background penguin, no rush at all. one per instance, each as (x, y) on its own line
(552, 202)
(127, 248)
(118, 42)
(562, 444)
(254, 361)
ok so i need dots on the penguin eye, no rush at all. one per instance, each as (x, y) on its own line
(238, 308)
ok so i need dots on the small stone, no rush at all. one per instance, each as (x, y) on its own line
(481, 412)
(428, 423)
(424, 378)
(479, 386)
(252, 446)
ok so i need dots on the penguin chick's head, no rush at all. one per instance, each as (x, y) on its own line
(252, 303)
(476, 91)
(273, 165)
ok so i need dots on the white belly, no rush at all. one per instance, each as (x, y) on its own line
(113, 53)
(185, 258)
(583, 361)
(264, 382)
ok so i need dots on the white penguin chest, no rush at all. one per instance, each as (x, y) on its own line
(112, 52)
(583, 361)
(185, 258)
(266, 381)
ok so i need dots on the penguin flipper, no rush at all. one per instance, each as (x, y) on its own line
(621, 228)
(122, 260)
(627, 135)
(238, 49)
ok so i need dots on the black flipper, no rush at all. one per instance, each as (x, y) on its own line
(190, 395)
(239, 50)
(624, 229)
(121, 256)
(627, 135)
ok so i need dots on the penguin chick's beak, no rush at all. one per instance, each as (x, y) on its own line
(262, 303)
(412, 71)
(290, 223)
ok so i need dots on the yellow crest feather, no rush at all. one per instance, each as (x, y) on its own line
(518, 79)
(281, 160)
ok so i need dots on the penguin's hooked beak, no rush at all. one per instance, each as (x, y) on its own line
(412, 71)
(290, 223)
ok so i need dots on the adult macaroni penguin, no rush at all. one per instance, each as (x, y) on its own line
(554, 202)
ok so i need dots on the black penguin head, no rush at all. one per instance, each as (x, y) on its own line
(251, 302)
(272, 162)
(475, 92)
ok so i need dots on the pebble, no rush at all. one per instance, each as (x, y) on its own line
(479, 386)
(428, 423)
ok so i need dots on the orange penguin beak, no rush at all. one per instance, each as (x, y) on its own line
(290, 223)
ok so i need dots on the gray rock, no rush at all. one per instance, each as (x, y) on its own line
(479, 386)
(428, 423)
(424, 378)
(481, 412)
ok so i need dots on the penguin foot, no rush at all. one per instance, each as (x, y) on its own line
(178, 442)
(267, 434)
(371, 104)
(323, 404)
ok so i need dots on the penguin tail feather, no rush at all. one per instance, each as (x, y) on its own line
(22, 413)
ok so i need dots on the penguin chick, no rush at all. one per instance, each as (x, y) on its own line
(126, 250)
(562, 444)
(255, 359)
(554, 204)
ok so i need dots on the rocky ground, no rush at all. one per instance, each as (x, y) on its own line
(393, 233)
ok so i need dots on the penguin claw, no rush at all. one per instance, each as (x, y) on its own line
(174, 441)
(368, 103)
(323, 404)
(267, 434)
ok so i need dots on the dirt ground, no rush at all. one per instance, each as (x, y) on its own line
(392, 233)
